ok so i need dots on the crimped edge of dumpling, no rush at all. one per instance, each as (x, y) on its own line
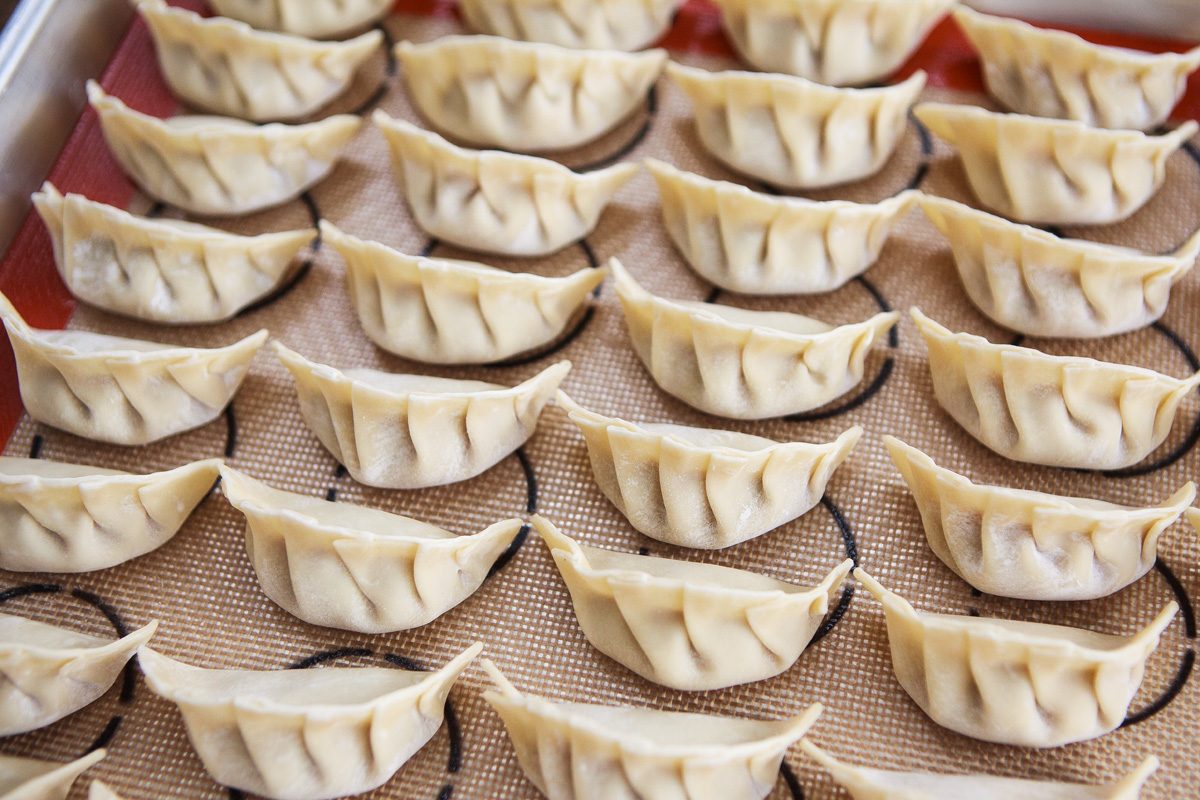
(698, 190)
(57, 778)
(229, 39)
(123, 127)
(104, 648)
(372, 262)
(992, 37)
(862, 781)
(449, 55)
(792, 729)
(656, 21)
(295, 17)
(275, 251)
(1036, 636)
(951, 218)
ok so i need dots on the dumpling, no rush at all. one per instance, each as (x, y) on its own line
(1018, 683)
(34, 779)
(318, 19)
(685, 625)
(47, 672)
(411, 431)
(229, 68)
(792, 133)
(99, 790)
(1050, 73)
(838, 42)
(1059, 411)
(523, 96)
(705, 488)
(754, 243)
(58, 517)
(216, 166)
(496, 202)
(358, 568)
(585, 751)
(305, 734)
(162, 270)
(594, 24)
(744, 364)
(1038, 284)
(123, 391)
(1053, 171)
(455, 312)
(1033, 545)
(865, 783)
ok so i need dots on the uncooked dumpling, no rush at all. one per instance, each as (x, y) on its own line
(162, 270)
(57, 517)
(319, 19)
(217, 166)
(305, 734)
(1049, 73)
(455, 312)
(754, 243)
(48, 672)
(792, 133)
(1018, 683)
(1053, 171)
(35, 779)
(492, 201)
(1033, 545)
(1041, 285)
(413, 431)
(584, 751)
(358, 568)
(227, 67)
(744, 364)
(528, 97)
(1059, 411)
(123, 391)
(705, 488)
(687, 625)
(592, 24)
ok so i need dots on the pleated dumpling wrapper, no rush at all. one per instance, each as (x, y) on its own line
(837, 42)
(754, 243)
(47, 672)
(217, 166)
(99, 790)
(586, 24)
(162, 270)
(455, 312)
(305, 734)
(495, 202)
(467, 86)
(123, 391)
(1041, 285)
(317, 19)
(866, 783)
(705, 488)
(1058, 411)
(686, 625)
(57, 517)
(398, 431)
(226, 67)
(1049, 73)
(358, 568)
(1018, 683)
(35, 779)
(792, 133)
(1053, 171)
(1033, 545)
(586, 751)
(744, 364)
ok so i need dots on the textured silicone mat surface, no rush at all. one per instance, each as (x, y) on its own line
(200, 585)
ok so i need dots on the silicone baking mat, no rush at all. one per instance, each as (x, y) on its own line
(200, 585)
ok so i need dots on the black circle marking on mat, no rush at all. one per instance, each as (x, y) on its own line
(389, 74)
(129, 672)
(843, 604)
(231, 430)
(789, 778)
(314, 214)
(531, 501)
(35, 447)
(628, 147)
(926, 153)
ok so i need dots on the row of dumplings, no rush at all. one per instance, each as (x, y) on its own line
(357, 726)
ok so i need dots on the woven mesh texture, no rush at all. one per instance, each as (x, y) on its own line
(213, 613)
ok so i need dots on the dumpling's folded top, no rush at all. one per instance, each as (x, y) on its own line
(319, 19)
(35, 779)
(594, 24)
